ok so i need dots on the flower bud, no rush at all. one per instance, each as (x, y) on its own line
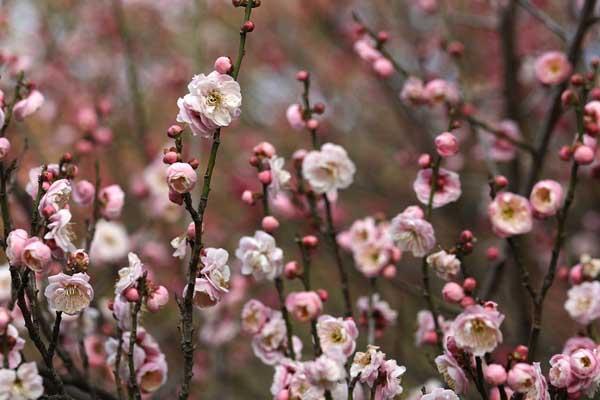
(469, 284)
(174, 131)
(292, 270)
(248, 197)
(424, 160)
(265, 177)
(4, 147)
(495, 374)
(453, 292)
(446, 144)
(132, 294)
(270, 224)
(223, 65)
(389, 271)
(584, 155)
(310, 241)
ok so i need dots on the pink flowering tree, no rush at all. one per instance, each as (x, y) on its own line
(393, 200)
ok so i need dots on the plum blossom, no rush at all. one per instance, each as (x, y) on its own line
(452, 372)
(181, 177)
(35, 255)
(34, 175)
(552, 68)
(502, 149)
(110, 243)
(439, 91)
(413, 91)
(24, 383)
(16, 344)
(304, 306)
(294, 117)
(324, 372)
(477, 329)
(379, 309)
(213, 101)
(412, 233)
(15, 242)
(56, 197)
(447, 188)
(280, 178)
(328, 169)
(205, 293)
(59, 230)
(546, 198)
(367, 364)
(337, 336)
(5, 283)
(391, 377)
(112, 199)
(269, 344)
(29, 105)
(216, 269)
(260, 256)
(445, 265)
(529, 380)
(583, 302)
(128, 276)
(69, 293)
(179, 243)
(590, 267)
(254, 316)
(83, 193)
(560, 371)
(440, 394)
(510, 214)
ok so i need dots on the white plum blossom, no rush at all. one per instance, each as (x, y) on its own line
(446, 265)
(213, 101)
(337, 336)
(60, 231)
(216, 269)
(583, 302)
(477, 329)
(24, 383)
(260, 256)
(412, 233)
(128, 276)
(279, 176)
(179, 243)
(69, 293)
(328, 169)
(110, 243)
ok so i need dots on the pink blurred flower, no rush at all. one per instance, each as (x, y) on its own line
(15, 243)
(304, 306)
(29, 105)
(294, 117)
(583, 302)
(447, 189)
(413, 91)
(157, 298)
(502, 149)
(446, 144)
(83, 193)
(365, 49)
(440, 91)
(328, 169)
(552, 68)
(181, 177)
(4, 145)
(510, 214)
(112, 199)
(254, 316)
(337, 336)
(35, 255)
(379, 309)
(546, 198)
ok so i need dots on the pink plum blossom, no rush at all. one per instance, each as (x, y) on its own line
(510, 214)
(447, 188)
(69, 293)
(552, 68)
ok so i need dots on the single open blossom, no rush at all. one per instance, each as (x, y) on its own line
(216, 269)
(510, 214)
(128, 276)
(446, 265)
(294, 117)
(412, 233)
(324, 372)
(585, 364)
(440, 91)
(546, 198)
(377, 309)
(205, 293)
(280, 178)
(181, 177)
(24, 383)
(529, 380)
(69, 293)
(15, 242)
(152, 374)
(552, 68)
(304, 306)
(254, 316)
(4, 142)
(477, 329)
(337, 336)
(590, 267)
(440, 394)
(365, 48)
(213, 101)
(413, 91)
(583, 302)
(362, 232)
(35, 255)
(447, 188)
(560, 371)
(452, 372)
(372, 257)
(260, 256)
(112, 199)
(83, 193)
(269, 344)
(391, 377)
(367, 364)
(15, 346)
(59, 230)
(110, 243)
(328, 169)
(56, 197)
(29, 105)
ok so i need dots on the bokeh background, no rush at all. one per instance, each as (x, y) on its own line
(112, 70)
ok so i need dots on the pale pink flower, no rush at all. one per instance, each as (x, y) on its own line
(223, 65)
(440, 394)
(122, 312)
(205, 293)
(294, 117)
(501, 149)
(35, 255)
(337, 336)
(590, 267)
(181, 177)
(254, 316)
(383, 67)
(445, 265)
(213, 101)
(157, 298)
(59, 230)
(111, 200)
(592, 114)
(413, 91)
(585, 364)
(510, 214)
(578, 342)
(367, 365)
(15, 343)
(446, 144)
(5, 284)
(583, 302)
(152, 374)
(324, 372)
(29, 105)
(280, 178)
(391, 376)
(425, 325)
(83, 193)
(129, 276)
(216, 269)
(56, 197)
(560, 371)
(179, 243)
(269, 343)
(34, 175)
(365, 49)
(94, 347)
(378, 309)
(447, 188)
(371, 258)
(412, 233)
(521, 377)
(260, 256)
(477, 329)
(546, 198)
(4, 143)
(328, 169)
(440, 91)
(15, 242)
(69, 293)
(24, 383)
(304, 306)
(361, 232)
(451, 371)
(110, 243)
(552, 67)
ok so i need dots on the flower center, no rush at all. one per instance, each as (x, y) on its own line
(213, 98)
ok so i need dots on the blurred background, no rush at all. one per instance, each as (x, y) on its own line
(111, 72)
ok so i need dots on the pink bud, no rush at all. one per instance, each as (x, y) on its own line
(312, 124)
(467, 301)
(284, 394)
(270, 223)
(302, 76)
(310, 241)
(466, 236)
(103, 135)
(265, 177)
(576, 274)
(521, 352)
(174, 131)
(4, 147)
(48, 211)
(383, 67)
(500, 181)
(170, 158)
(396, 254)
(565, 153)
(453, 292)
(584, 155)
(223, 65)
(389, 272)
(132, 294)
(248, 197)
(446, 144)
(424, 161)
(264, 149)
(430, 338)
(191, 231)
(323, 294)
(492, 253)
(495, 374)
(469, 284)
(292, 270)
